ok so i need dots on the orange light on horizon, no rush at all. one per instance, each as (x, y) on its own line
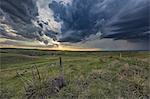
(59, 48)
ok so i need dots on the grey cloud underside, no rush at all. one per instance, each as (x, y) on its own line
(23, 10)
(18, 15)
(131, 23)
(118, 19)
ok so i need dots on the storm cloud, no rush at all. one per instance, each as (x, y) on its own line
(82, 18)
(74, 21)
(21, 17)
(118, 19)
(132, 22)
(16, 15)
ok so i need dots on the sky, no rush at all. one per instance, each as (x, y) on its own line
(75, 24)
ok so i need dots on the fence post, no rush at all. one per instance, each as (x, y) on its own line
(60, 61)
(120, 55)
(61, 67)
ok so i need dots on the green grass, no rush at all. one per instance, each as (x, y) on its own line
(89, 75)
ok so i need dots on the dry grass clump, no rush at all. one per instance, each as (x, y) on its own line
(42, 87)
(136, 80)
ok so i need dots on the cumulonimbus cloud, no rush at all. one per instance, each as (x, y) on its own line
(116, 19)
(82, 18)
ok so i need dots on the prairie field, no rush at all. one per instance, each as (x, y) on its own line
(42, 74)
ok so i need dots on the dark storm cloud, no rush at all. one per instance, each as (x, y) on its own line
(131, 23)
(118, 19)
(84, 17)
(19, 16)
(23, 10)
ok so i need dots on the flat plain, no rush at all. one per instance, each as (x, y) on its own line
(38, 74)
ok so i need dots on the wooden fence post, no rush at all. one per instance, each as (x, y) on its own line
(61, 67)
(120, 55)
(60, 61)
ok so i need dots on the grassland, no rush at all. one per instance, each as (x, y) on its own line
(87, 75)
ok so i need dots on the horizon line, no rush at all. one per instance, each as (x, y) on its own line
(75, 50)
